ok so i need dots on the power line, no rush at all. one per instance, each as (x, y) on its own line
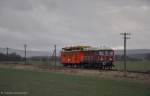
(125, 34)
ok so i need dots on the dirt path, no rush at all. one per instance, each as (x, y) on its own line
(142, 77)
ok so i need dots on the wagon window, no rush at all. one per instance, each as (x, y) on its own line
(111, 52)
(108, 52)
(97, 53)
(87, 53)
(101, 53)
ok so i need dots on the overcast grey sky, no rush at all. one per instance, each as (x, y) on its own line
(42, 23)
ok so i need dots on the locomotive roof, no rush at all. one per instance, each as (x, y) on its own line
(84, 48)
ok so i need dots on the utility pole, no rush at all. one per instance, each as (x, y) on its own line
(125, 34)
(55, 54)
(7, 52)
(25, 53)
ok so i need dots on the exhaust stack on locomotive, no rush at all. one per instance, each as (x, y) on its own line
(87, 57)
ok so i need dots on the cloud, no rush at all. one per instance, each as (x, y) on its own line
(43, 23)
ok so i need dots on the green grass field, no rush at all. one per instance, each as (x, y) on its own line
(134, 65)
(56, 84)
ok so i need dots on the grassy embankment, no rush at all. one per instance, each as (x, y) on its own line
(56, 84)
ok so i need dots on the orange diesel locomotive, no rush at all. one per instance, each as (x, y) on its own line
(87, 57)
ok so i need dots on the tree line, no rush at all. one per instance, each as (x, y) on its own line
(16, 57)
(10, 57)
(129, 58)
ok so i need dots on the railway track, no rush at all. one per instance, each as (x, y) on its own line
(116, 70)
